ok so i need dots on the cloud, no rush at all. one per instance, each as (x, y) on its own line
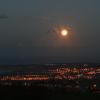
(3, 16)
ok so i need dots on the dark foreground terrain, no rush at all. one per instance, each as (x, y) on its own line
(43, 93)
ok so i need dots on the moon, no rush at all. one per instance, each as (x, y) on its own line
(64, 32)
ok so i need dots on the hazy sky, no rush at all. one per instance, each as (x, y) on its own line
(27, 36)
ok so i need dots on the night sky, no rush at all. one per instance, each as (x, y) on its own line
(27, 35)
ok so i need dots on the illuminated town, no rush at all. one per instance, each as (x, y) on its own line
(56, 72)
(50, 78)
(59, 73)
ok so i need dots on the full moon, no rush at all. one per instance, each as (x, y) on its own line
(64, 32)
